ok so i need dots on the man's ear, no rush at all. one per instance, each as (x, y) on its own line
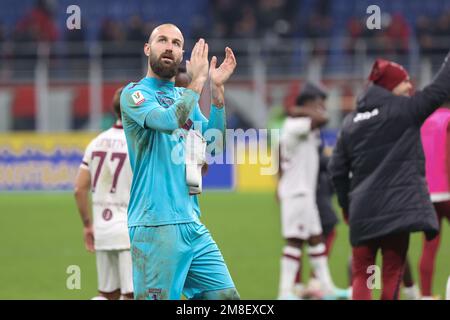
(147, 49)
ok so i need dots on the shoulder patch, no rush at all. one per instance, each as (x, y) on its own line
(137, 97)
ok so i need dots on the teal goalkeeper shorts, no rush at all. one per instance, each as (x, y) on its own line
(176, 259)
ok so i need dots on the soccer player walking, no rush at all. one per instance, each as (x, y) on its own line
(297, 191)
(105, 171)
(378, 169)
(173, 253)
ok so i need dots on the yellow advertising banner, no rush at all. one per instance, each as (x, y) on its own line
(47, 162)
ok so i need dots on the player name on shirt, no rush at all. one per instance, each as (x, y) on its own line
(111, 143)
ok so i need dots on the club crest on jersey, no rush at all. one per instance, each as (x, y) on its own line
(137, 97)
(164, 101)
(107, 214)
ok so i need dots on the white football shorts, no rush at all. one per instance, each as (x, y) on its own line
(114, 271)
(300, 217)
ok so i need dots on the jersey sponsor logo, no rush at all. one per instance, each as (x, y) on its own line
(164, 101)
(366, 115)
(107, 214)
(137, 97)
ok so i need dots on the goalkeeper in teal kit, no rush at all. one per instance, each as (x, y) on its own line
(172, 251)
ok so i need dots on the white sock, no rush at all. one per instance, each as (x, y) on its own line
(290, 262)
(319, 263)
(411, 293)
(447, 295)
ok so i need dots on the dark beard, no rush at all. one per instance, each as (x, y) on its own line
(162, 70)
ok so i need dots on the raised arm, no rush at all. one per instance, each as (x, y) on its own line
(161, 119)
(421, 105)
(318, 117)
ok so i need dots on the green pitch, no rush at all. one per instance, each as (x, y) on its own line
(42, 237)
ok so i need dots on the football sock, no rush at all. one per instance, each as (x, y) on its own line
(426, 265)
(319, 263)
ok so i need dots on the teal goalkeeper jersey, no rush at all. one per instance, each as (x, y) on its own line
(153, 111)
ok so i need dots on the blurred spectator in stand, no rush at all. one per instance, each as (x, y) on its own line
(200, 27)
(148, 28)
(424, 32)
(105, 37)
(376, 39)
(76, 52)
(318, 28)
(291, 9)
(272, 27)
(136, 36)
(266, 18)
(4, 69)
(76, 35)
(323, 7)
(355, 30)
(226, 13)
(112, 37)
(105, 33)
(38, 24)
(442, 34)
(246, 26)
(219, 30)
(271, 19)
(135, 30)
(2, 33)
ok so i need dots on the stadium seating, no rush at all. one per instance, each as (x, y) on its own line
(93, 12)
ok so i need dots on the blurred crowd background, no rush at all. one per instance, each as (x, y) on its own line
(278, 43)
(56, 90)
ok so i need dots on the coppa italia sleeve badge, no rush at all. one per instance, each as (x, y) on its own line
(137, 97)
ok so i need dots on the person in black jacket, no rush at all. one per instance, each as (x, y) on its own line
(378, 170)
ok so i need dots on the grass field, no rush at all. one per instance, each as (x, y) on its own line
(41, 237)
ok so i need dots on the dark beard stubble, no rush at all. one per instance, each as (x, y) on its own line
(162, 70)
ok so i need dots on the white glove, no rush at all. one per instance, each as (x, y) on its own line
(195, 156)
